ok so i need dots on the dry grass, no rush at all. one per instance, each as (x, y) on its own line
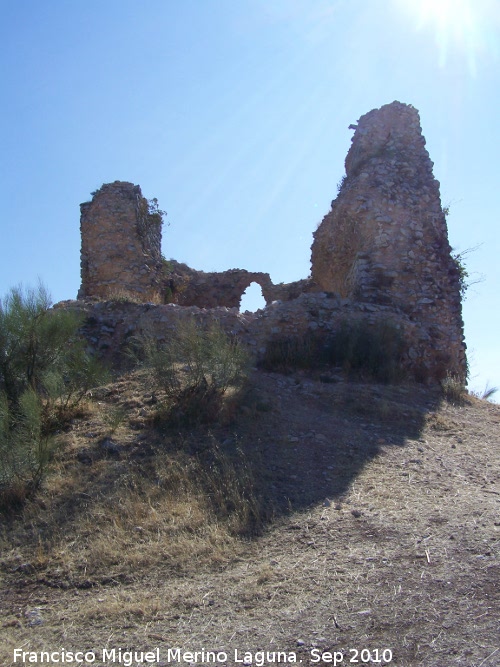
(121, 520)
(454, 389)
(384, 532)
(118, 502)
(126, 296)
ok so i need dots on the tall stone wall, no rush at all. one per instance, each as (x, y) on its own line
(121, 244)
(385, 239)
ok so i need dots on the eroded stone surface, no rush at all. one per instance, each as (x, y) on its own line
(121, 244)
(385, 239)
(188, 287)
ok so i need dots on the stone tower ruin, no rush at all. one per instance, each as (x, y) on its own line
(385, 240)
(380, 255)
(121, 244)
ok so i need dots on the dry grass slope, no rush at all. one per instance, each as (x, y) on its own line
(328, 514)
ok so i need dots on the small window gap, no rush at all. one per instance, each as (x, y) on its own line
(252, 299)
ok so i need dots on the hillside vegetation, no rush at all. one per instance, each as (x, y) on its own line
(304, 511)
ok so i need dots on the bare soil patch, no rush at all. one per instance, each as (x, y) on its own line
(329, 516)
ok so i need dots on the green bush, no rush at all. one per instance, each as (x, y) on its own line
(286, 354)
(40, 349)
(195, 369)
(25, 448)
(45, 372)
(370, 350)
(373, 350)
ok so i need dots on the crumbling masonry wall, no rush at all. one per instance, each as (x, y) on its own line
(188, 287)
(110, 327)
(381, 253)
(121, 257)
(385, 239)
(121, 244)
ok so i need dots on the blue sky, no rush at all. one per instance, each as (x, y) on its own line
(235, 115)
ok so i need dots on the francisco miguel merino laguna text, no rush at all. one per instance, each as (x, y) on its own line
(129, 658)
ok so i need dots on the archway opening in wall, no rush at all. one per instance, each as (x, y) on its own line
(252, 299)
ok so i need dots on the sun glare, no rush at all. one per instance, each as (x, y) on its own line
(468, 25)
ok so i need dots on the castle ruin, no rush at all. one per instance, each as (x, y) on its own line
(380, 254)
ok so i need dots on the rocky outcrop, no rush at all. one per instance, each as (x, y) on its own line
(385, 239)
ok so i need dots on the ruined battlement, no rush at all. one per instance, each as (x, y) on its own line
(381, 252)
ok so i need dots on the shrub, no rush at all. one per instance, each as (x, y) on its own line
(40, 350)
(372, 350)
(25, 448)
(195, 370)
(30, 342)
(453, 389)
(285, 354)
(45, 372)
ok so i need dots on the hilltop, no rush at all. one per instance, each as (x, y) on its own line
(307, 512)
(323, 514)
